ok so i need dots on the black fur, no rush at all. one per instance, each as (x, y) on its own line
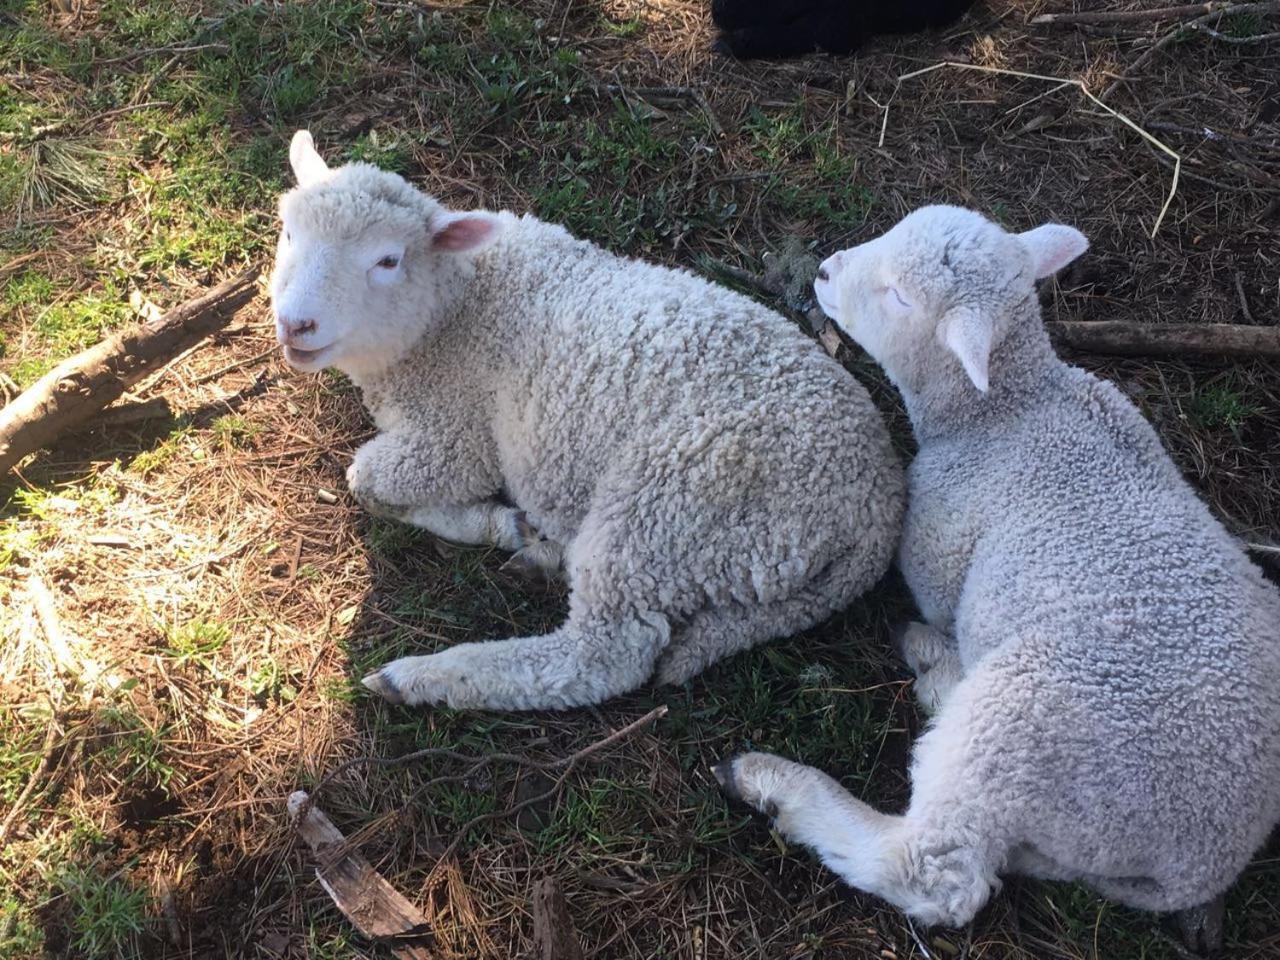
(789, 28)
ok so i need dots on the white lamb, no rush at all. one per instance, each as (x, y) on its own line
(714, 479)
(1103, 658)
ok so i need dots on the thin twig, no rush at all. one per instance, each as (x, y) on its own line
(1216, 13)
(46, 752)
(1127, 16)
(565, 765)
(1079, 84)
(1224, 38)
(671, 93)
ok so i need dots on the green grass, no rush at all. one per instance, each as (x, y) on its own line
(107, 915)
(830, 192)
(196, 641)
(133, 748)
(1220, 404)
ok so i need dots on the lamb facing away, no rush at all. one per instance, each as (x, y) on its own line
(1103, 659)
(790, 28)
(714, 479)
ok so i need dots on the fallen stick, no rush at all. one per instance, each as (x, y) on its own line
(553, 931)
(76, 389)
(1117, 337)
(1215, 13)
(1167, 339)
(364, 896)
(1129, 16)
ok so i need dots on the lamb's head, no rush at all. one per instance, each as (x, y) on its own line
(364, 263)
(940, 291)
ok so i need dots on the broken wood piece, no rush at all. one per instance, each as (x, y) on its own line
(553, 931)
(76, 389)
(1167, 339)
(363, 895)
(1129, 16)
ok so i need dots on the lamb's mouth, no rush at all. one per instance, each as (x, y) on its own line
(305, 358)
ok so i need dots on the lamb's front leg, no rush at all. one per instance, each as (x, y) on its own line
(396, 475)
(587, 660)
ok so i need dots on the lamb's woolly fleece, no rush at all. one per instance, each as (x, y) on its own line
(716, 480)
(1105, 657)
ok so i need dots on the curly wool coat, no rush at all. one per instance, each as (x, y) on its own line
(1103, 657)
(714, 478)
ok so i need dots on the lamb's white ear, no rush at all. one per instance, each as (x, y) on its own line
(967, 333)
(308, 166)
(454, 232)
(1053, 246)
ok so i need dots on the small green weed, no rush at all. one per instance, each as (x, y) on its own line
(107, 915)
(232, 430)
(1220, 405)
(20, 935)
(133, 747)
(197, 640)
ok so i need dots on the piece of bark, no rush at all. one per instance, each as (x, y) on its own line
(364, 896)
(1167, 339)
(553, 931)
(76, 389)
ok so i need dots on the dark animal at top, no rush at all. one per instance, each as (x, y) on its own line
(752, 29)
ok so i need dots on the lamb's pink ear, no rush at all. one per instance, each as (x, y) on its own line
(308, 166)
(454, 232)
(1053, 246)
(967, 333)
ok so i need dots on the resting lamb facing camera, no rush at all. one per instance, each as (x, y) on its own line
(1102, 658)
(711, 478)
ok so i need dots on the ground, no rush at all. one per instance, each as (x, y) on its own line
(219, 595)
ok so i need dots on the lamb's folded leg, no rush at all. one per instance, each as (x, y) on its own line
(1201, 926)
(395, 475)
(935, 660)
(584, 662)
(484, 522)
(925, 868)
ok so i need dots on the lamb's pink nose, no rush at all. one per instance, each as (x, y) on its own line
(829, 266)
(291, 329)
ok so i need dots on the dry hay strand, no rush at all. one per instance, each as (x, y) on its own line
(1061, 83)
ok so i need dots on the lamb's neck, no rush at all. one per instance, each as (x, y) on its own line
(1022, 369)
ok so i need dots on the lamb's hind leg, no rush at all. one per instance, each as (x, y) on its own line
(926, 866)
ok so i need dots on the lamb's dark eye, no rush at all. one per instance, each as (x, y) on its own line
(288, 237)
(389, 263)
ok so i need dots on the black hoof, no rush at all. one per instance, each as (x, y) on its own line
(1201, 927)
(723, 772)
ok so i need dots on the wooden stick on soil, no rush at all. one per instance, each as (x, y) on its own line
(552, 929)
(1167, 339)
(1130, 16)
(76, 389)
(378, 910)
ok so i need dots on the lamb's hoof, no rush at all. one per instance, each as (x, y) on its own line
(380, 683)
(723, 772)
(738, 785)
(539, 560)
(1201, 926)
